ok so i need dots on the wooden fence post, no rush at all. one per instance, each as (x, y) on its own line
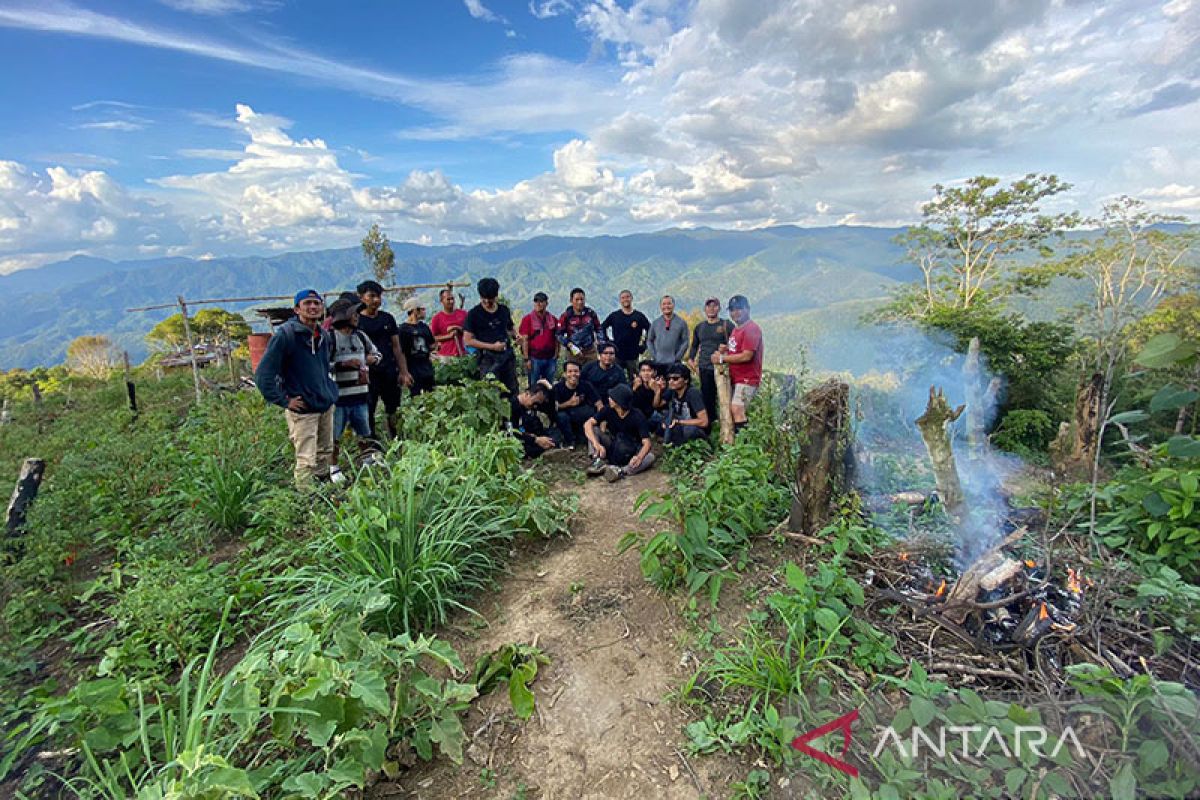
(23, 494)
(130, 389)
(187, 330)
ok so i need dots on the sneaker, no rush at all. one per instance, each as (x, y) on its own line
(612, 474)
(336, 477)
(596, 468)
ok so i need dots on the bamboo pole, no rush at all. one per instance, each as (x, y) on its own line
(448, 285)
(187, 330)
(130, 389)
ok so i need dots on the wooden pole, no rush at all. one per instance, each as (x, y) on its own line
(187, 330)
(287, 296)
(23, 494)
(821, 467)
(934, 425)
(725, 401)
(130, 389)
(5, 416)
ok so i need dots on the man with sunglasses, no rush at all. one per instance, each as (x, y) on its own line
(686, 418)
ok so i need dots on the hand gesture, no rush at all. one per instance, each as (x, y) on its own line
(600, 451)
(635, 462)
(405, 379)
(297, 404)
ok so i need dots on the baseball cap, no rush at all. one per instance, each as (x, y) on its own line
(412, 304)
(738, 301)
(304, 294)
(716, 300)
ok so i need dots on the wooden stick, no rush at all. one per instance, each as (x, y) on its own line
(447, 285)
(725, 402)
(187, 329)
(130, 389)
(28, 482)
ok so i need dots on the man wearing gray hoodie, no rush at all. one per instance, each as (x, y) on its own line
(667, 342)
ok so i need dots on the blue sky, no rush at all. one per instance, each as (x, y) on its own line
(194, 127)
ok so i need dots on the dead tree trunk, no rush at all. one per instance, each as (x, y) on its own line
(979, 400)
(1085, 426)
(725, 401)
(821, 468)
(934, 425)
(23, 494)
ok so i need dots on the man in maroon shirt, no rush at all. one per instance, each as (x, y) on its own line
(447, 327)
(539, 344)
(743, 354)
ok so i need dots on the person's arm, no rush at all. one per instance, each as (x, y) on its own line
(640, 455)
(470, 341)
(403, 377)
(694, 350)
(570, 402)
(435, 325)
(743, 357)
(650, 338)
(525, 330)
(266, 377)
(589, 433)
(681, 348)
(601, 338)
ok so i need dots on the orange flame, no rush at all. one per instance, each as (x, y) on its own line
(1073, 585)
(1029, 562)
(941, 590)
(904, 556)
(1043, 613)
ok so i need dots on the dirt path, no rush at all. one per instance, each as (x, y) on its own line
(603, 727)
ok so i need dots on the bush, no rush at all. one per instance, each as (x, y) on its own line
(1155, 511)
(1024, 431)
(474, 405)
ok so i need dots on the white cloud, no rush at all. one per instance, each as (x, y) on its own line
(545, 9)
(214, 7)
(112, 125)
(478, 10)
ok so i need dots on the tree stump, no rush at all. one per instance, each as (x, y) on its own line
(934, 425)
(821, 468)
(23, 494)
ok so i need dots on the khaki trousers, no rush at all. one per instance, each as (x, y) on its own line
(312, 436)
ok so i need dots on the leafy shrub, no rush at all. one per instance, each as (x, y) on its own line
(715, 516)
(222, 490)
(430, 529)
(1155, 511)
(474, 405)
(1023, 431)
(165, 618)
(451, 371)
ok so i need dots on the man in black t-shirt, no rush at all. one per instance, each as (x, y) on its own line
(391, 372)
(575, 400)
(648, 387)
(707, 338)
(627, 328)
(603, 374)
(417, 342)
(488, 328)
(619, 438)
(686, 419)
(533, 422)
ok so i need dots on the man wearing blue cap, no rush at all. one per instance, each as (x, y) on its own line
(294, 374)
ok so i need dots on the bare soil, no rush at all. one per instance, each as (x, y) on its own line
(604, 726)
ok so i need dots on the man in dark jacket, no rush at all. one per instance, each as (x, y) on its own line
(579, 329)
(605, 373)
(294, 374)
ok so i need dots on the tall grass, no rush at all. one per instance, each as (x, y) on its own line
(414, 539)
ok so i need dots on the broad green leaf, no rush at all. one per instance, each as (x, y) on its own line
(518, 691)
(1183, 447)
(1171, 397)
(447, 732)
(370, 687)
(230, 780)
(1128, 417)
(826, 619)
(923, 710)
(1164, 350)
(1153, 755)
(1123, 785)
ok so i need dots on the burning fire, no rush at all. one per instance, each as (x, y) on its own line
(1073, 584)
(904, 556)
(1030, 563)
(941, 590)
(1043, 613)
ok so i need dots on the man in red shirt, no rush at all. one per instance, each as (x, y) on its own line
(447, 327)
(539, 344)
(743, 354)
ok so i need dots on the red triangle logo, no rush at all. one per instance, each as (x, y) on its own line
(843, 724)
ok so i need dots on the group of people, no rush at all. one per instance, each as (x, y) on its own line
(612, 384)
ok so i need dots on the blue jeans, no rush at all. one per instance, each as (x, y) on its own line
(542, 368)
(357, 417)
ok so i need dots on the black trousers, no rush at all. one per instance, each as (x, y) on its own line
(708, 390)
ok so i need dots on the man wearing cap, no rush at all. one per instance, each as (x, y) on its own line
(619, 438)
(391, 373)
(488, 328)
(294, 374)
(668, 339)
(417, 342)
(627, 329)
(604, 374)
(539, 344)
(743, 354)
(687, 418)
(707, 338)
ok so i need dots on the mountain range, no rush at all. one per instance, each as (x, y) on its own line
(807, 276)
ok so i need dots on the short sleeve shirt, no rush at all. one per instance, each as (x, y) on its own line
(490, 328)
(632, 426)
(441, 324)
(744, 338)
(583, 390)
(416, 342)
(380, 329)
(687, 407)
(539, 330)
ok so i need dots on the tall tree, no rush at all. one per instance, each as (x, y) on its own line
(378, 252)
(91, 356)
(218, 326)
(1129, 266)
(971, 241)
